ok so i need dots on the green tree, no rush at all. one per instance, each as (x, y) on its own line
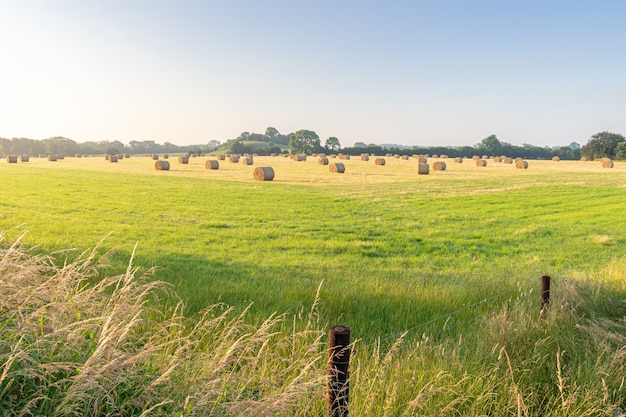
(620, 151)
(332, 144)
(491, 145)
(602, 145)
(271, 133)
(304, 141)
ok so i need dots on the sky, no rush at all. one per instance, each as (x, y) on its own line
(425, 73)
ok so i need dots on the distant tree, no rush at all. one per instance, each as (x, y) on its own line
(601, 145)
(332, 144)
(620, 151)
(304, 141)
(213, 144)
(360, 144)
(491, 145)
(271, 133)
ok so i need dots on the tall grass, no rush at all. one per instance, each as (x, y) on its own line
(124, 346)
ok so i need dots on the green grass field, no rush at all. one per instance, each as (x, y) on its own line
(391, 249)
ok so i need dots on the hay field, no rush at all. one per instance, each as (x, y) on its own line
(390, 245)
(454, 257)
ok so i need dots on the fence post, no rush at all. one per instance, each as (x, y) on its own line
(338, 364)
(545, 292)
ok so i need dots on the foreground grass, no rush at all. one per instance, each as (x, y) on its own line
(121, 347)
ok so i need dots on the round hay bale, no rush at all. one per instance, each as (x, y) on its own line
(365, 157)
(166, 156)
(435, 156)
(405, 157)
(183, 159)
(423, 169)
(485, 157)
(458, 160)
(509, 160)
(475, 157)
(264, 173)
(212, 164)
(322, 160)
(246, 161)
(379, 161)
(584, 159)
(439, 166)
(107, 157)
(78, 155)
(556, 158)
(344, 157)
(156, 157)
(607, 163)
(233, 158)
(481, 163)
(24, 158)
(162, 165)
(337, 167)
(12, 159)
(521, 164)
(422, 160)
(497, 159)
(113, 158)
(60, 156)
(221, 157)
(52, 158)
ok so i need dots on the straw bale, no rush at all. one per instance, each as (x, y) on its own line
(322, 160)
(607, 163)
(12, 159)
(521, 164)
(379, 161)
(212, 164)
(439, 166)
(337, 167)
(162, 165)
(264, 173)
(481, 163)
(422, 168)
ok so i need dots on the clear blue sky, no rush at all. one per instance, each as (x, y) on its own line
(436, 72)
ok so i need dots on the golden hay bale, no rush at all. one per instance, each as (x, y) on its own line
(584, 159)
(439, 166)
(379, 161)
(156, 157)
(458, 160)
(246, 161)
(521, 164)
(475, 158)
(233, 158)
(107, 157)
(221, 157)
(60, 156)
(388, 155)
(165, 156)
(510, 161)
(422, 160)
(365, 157)
(332, 155)
(405, 157)
(322, 160)
(52, 158)
(337, 167)
(113, 158)
(12, 159)
(435, 156)
(212, 164)
(422, 168)
(299, 158)
(24, 158)
(481, 163)
(607, 163)
(556, 158)
(264, 173)
(497, 159)
(162, 165)
(344, 157)
(183, 159)
(443, 156)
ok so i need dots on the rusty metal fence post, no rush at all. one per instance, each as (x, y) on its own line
(338, 364)
(545, 292)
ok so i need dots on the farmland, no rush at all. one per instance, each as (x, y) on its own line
(389, 249)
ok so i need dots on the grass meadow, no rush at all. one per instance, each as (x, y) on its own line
(454, 257)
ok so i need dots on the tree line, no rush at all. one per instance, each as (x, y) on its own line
(600, 145)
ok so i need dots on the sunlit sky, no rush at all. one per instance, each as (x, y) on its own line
(428, 73)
